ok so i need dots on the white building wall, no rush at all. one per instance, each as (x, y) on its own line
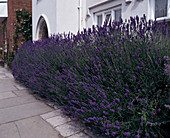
(136, 7)
(68, 17)
(74, 15)
(95, 6)
(48, 10)
(3, 10)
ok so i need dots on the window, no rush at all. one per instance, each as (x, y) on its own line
(99, 20)
(160, 9)
(109, 16)
(118, 15)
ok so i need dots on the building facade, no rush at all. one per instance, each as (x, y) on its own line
(63, 16)
(8, 19)
(3, 17)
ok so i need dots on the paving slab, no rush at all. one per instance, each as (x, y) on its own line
(19, 86)
(16, 101)
(9, 75)
(69, 129)
(9, 81)
(9, 131)
(3, 76)
(79, 135)
(24, 92)
(58, 120)
(23, 116)
(35, 127)
(6, 95)
(23, 111)
(6, 87)
(52, 114)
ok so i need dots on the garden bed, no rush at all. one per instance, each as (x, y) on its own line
(111, 78)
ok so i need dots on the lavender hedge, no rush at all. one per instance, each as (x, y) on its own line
(111, 78)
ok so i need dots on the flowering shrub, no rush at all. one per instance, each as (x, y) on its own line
(112, 78)
(23, 28)
(1, 46)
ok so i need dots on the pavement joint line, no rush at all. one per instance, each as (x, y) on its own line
(14, 105)
(19, 105)
(10, 97)
(57, 125)
(60, 124)
(20, 119)
(76, 133)
(17, 129)
(14, 94)
(81, 131)
(17, 94)
(6, 91)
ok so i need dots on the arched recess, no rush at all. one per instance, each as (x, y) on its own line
(42, 29)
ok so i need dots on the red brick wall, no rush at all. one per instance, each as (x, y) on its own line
(1, 41)
(2, 38)
(12, 6)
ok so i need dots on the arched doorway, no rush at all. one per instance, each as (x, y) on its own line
(42, 29)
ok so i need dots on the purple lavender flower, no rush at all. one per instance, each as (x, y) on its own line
(143, 109)
(126, 133)
(146, 134)
(112, 110)
(139, 90)
(117, 122)
(137, 136)
(138, 68)
(117, 99)
(127, 91)
(131, 104)
(159, 110)
(104, 112)
(126, 94)
(134, 78)
(114, 133)
(119, 108)
(153, 113)
(115, 93)
(117, 127)
(167, 106)
(107, 132)
(104, 79)
(139, 131)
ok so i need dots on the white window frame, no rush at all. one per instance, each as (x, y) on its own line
(152, 15)
(104, 13)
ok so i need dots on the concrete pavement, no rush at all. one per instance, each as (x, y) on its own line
(20, 111)
(24, 116)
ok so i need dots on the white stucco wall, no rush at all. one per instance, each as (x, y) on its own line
(136, 7)
(73, 15)
(94, 6)
(67, 16)
(60, 15)
(47, 9)
(3, 10)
